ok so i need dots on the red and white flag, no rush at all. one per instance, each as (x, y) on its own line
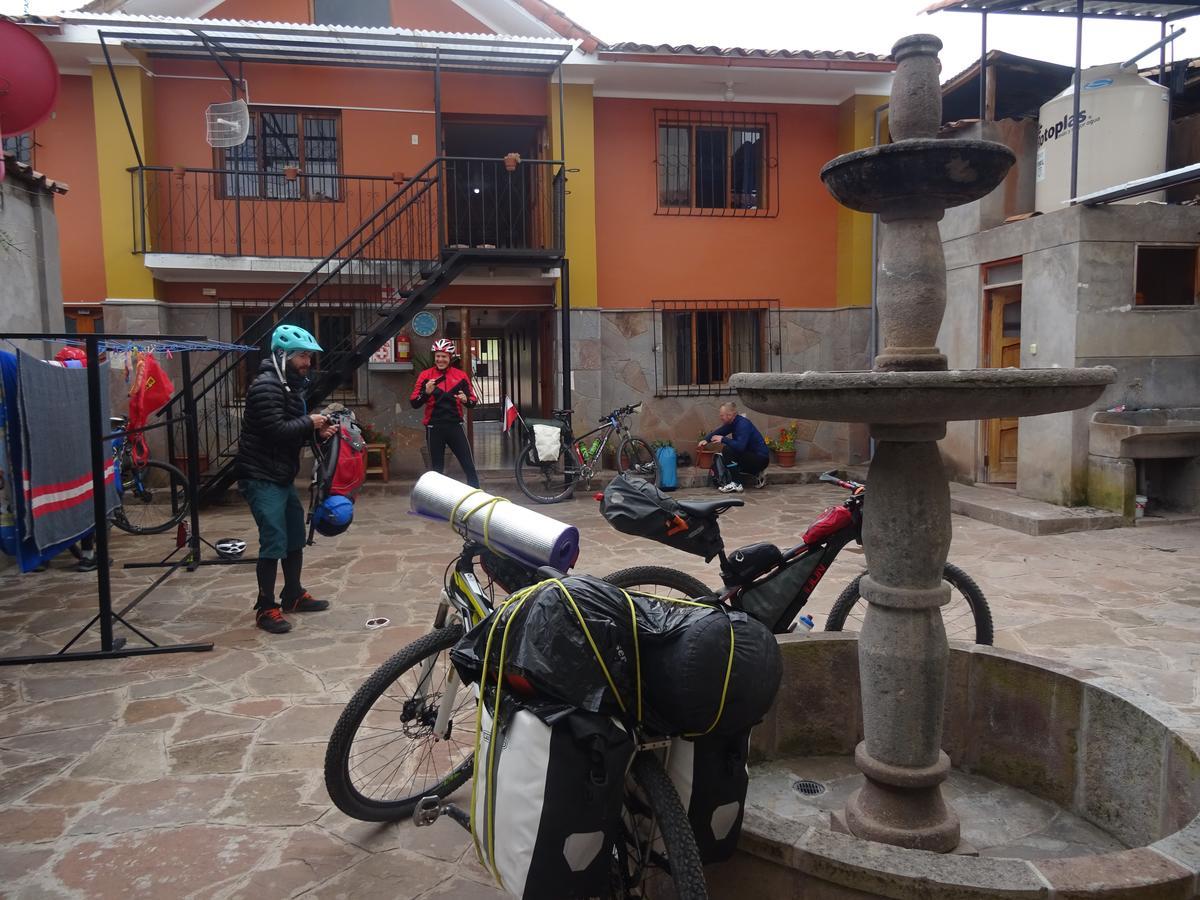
(510, 414)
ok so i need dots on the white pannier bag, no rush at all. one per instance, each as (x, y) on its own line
(546, 801)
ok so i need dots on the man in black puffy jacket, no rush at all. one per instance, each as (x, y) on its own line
(275, 427)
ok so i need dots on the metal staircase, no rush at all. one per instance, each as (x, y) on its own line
(454, 213)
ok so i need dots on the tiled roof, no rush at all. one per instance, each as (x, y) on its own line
(27, 174)
(746, 53)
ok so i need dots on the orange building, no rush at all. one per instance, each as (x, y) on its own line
(483, 162)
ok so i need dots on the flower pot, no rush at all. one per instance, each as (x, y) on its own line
(511, 161)
(785, 459)
(291, 173)
(704, 459)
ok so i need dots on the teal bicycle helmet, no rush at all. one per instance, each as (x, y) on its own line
(293, 339)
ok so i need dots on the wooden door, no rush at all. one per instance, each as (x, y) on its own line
(1004, 352)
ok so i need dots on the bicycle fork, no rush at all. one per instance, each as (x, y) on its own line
(442, 724)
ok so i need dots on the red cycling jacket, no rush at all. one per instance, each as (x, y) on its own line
(442, 406)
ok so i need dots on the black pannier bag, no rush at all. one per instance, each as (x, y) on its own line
(546, 806)
(692, 681)
(583, 642)
(777, 599)
(634, 506)
(710, 776)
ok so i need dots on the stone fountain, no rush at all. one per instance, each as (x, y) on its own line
(906, 400)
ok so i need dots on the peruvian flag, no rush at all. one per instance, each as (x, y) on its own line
(510, 414)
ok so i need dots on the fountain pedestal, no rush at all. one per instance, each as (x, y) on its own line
(907, 400)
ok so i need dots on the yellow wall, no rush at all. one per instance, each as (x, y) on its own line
(125, 274)
(581, 187)
(856, 129)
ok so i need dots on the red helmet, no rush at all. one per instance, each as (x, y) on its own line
(69, 353)
(444, 345)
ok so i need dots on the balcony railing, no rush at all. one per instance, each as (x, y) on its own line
(484, 205)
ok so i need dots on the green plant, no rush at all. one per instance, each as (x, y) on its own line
(658, 445)
(421, 361)
(786, 442)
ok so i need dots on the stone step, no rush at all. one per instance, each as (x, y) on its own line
(1003, 507)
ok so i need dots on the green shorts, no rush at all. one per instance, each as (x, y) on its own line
(279, 515)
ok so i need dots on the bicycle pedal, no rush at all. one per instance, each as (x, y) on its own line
(427, 811)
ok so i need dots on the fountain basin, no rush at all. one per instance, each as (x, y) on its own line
(1110, 758)
(917, 174)
(900, 398)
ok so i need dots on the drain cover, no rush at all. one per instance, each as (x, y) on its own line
(809, 788)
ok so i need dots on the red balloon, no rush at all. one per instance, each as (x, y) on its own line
(28, 80)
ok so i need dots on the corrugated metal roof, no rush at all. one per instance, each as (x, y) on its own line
(745, 52)
(1092, 9)
(23, 172)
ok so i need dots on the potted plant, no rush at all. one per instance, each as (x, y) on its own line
(784, 447)
(704, 456)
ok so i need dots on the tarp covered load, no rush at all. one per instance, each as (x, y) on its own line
(499, 525)
(634, 506)
(677, 666)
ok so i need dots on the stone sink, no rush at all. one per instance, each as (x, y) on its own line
(1145, 434)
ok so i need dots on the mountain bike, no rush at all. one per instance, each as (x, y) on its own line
(578, 459)
(153, 495)
(774, 584)
(406, 739)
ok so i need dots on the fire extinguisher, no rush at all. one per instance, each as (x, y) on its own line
(402, 347)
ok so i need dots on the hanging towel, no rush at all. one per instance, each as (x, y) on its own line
(58, 463)
(14, 539)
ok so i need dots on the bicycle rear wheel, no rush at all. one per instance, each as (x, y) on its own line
(635, 455)
(545, 482)
(966, 617)
(659, 581)
(658, 843)
(383, 756)
(154, 498)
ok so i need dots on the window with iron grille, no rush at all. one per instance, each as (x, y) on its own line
(278, 140)
(21, 146)
(699, 344)
(716, 163)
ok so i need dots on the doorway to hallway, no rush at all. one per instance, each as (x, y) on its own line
(1002, 350)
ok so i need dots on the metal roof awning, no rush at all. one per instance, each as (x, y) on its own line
(1092, 9)
(390, 48)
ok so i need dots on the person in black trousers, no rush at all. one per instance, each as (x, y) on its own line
(445, 391)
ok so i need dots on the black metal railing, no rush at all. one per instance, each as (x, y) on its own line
(225, 212)
(391, 265)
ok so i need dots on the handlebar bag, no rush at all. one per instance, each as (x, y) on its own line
(634, 506)
(546, 803)
(711, 778)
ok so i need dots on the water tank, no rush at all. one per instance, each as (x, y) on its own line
(1122, 136)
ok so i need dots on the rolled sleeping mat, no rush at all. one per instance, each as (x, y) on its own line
(511, 530)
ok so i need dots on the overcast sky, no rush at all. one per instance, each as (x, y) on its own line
(870, 25)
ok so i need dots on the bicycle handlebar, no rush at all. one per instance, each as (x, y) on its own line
(831, 477)
(621, 411)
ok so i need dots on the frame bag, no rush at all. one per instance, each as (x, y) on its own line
(777, 599)
(547, 797)
(711, 778)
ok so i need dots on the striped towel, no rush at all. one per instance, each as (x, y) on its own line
(57, 462)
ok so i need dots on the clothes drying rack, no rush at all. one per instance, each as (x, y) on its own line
(111, 646)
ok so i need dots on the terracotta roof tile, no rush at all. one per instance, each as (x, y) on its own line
(27, 174)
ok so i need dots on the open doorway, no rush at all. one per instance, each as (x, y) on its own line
(1002, 350)
(489, 206)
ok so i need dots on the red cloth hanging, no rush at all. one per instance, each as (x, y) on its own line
(151, 389)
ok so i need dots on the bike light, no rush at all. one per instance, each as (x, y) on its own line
(598, 496)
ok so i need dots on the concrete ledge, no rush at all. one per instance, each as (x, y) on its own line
(1005, 509)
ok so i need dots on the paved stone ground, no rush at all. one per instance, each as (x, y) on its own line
(200, 774)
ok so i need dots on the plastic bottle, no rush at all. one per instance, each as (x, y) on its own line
(802, 625)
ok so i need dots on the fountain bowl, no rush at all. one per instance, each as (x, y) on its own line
(920, 173)
(900, 398)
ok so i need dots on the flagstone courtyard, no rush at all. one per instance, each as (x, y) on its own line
(199, 774)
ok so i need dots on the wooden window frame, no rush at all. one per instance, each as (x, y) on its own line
(767, 312)
(732, 121)
(220, 160)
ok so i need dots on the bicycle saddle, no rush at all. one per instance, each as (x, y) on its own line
(708, 509)
(561, 412)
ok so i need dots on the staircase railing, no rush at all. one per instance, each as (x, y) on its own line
(379, 276)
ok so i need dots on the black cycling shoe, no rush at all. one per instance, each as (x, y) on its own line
(306, 602)
(272, 620)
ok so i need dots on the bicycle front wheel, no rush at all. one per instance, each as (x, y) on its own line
(154, 498)
(966, 617)
(634, 455)
(383, 755)
(545, 482)
(658, 840)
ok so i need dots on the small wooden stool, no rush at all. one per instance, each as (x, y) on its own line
(382, 468)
